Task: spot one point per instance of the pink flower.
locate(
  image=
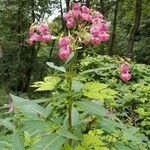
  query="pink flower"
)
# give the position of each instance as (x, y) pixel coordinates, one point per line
(43, 29)
(85, 17)
(124, 68)
(46, 38)
(68, 15)
(95, 30)
(85, 10)
(10, 107)
(31, 32)
(95, 41)
(104, 36)
(96, 21)
(64, 53)
(104, 27)
(125, 77)
(75, 14)
(70, 23)
(76, 7)
(34, 38)
(99, 15)
(64, 42)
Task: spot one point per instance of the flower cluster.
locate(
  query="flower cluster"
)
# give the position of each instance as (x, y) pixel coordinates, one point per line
(65, 49)
(39, 33)
(125, 72)
(97, 27)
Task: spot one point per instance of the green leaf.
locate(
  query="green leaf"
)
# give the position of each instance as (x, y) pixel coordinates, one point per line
(108, 125)
(48, 84)
(49, 142)
(51, 64)
(70, 57)
(5, 145)
(29, 108)
(93, 108)
(7, 124)
(35, 126)
(17, 142)
(130, 132)
(121, 146)
(65, 133)
(96, 90)
(75, 117)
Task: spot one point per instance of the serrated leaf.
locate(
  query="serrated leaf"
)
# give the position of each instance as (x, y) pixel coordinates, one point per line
(96, 90)
(49, 142)
(29, 108)
(35, 126)
(65, 133)
(93, 108)
(51, 64)
(48, 84)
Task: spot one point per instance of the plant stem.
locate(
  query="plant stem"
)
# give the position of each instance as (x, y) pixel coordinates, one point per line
(70, 104)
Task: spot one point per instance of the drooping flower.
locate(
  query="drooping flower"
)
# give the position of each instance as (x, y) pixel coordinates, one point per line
(64, 42)
(40, 33)
(95, 41)
(96, 21)
(68, 15)
(125, 72)
(124, 68)
(70, 23)
(103, 27)
(33, 38)
(85, 10)
(85, 17)
(76, 7)
(64, 53)
(43, 28)
(125, 77)
(94, 30)
(104, 36)
(99, 15)
(46, 38)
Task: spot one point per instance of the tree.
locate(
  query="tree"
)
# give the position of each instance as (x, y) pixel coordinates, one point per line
(113, 35)
(135, 28)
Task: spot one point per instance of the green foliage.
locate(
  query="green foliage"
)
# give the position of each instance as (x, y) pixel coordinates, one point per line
(98, 91)
(49, 83)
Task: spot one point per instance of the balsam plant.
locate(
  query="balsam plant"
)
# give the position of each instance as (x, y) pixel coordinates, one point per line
(74, 117)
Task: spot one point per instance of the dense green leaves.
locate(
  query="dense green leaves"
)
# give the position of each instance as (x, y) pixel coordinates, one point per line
(49, 142)
(100, 91)
(93, 108)
(48, 84)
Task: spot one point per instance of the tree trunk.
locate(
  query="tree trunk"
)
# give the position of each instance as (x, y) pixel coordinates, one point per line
(102, 7)
(87, 3)
(113, 36)
(1, 51)
(135, 28)
(61, 11)
(67, 5)
(32, 55)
